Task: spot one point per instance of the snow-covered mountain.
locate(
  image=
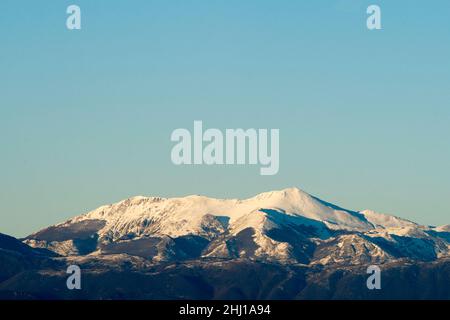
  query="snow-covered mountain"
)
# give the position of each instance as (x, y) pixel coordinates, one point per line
(287, 226)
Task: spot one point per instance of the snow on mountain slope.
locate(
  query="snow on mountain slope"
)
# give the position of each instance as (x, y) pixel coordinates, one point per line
(380, 220)
(350, 250)
(418, 242)
(285, 226)
(182, 216)
(445, 228)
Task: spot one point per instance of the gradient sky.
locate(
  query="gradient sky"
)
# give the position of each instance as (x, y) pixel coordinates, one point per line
(86, 116)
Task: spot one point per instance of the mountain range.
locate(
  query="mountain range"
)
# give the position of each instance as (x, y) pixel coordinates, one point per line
(283, 244)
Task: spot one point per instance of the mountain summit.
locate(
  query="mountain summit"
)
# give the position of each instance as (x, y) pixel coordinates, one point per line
(286, 226)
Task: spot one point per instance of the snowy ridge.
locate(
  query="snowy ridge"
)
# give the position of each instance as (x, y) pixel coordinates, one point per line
(445, 228)
(380, 220)
(288, 226)
(181, 216)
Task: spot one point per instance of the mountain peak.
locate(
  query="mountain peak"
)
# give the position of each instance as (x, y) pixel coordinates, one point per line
(284, 193)
(286, 225)
(444, 228)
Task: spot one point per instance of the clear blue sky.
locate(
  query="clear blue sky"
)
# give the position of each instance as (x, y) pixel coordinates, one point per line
(86, 116)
